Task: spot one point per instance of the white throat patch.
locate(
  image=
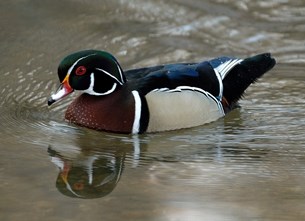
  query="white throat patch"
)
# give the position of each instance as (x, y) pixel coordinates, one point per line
(91, 91)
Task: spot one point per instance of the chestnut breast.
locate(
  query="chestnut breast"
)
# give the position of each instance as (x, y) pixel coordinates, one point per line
(109, 113)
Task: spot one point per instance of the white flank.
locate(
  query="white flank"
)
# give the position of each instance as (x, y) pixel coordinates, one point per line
(224, 68)
(91, 91)
(182, 107)
(137, 114)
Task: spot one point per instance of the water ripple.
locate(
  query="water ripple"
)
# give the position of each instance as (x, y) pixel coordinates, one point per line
(23, 105)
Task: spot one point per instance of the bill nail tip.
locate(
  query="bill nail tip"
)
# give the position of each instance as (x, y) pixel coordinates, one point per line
(50, 101)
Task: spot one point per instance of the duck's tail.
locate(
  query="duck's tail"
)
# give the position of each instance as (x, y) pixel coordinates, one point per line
(238, 74)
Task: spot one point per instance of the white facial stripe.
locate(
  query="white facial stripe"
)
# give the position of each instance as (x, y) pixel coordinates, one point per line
(91, 91)
(224, 68)
(75, 63)
(121, 74)
(221, 67)
(231, 65)
(110, 75)
(137, 114)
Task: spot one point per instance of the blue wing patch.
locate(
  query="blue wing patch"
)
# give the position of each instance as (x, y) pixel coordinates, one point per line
(200, 75)
(219, 61)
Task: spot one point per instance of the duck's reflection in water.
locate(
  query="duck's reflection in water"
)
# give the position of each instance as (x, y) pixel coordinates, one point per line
(90, 172)
(93, 176)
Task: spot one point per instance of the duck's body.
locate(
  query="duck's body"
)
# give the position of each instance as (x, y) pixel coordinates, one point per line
(153, 99)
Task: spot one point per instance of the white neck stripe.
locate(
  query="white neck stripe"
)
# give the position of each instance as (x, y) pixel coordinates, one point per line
(91, 91)
(137, 114)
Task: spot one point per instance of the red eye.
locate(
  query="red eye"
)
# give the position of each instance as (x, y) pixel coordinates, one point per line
(78, 186)
(81, 70)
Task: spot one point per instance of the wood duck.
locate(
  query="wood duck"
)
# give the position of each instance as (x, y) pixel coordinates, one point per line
(153, 99)
(88, 175)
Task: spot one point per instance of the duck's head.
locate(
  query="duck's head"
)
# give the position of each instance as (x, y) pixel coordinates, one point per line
(91, 71)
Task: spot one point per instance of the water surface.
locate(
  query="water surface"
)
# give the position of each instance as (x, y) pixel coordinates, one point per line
(247, 166)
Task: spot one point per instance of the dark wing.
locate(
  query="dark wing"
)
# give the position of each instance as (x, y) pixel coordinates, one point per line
(198, 75)
(134, 74)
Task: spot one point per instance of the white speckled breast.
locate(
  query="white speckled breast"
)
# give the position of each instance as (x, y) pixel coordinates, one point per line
(108, 113)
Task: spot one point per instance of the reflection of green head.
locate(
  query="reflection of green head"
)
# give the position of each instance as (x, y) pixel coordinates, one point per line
(95, 181)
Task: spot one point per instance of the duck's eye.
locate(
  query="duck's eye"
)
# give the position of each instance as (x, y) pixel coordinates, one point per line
(81, 70)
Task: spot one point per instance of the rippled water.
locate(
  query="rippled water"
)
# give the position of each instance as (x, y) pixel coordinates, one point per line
(246, 166)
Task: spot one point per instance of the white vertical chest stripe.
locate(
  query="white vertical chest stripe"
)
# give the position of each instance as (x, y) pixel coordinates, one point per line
(137, 114)
(182, 107)
(220, 83)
